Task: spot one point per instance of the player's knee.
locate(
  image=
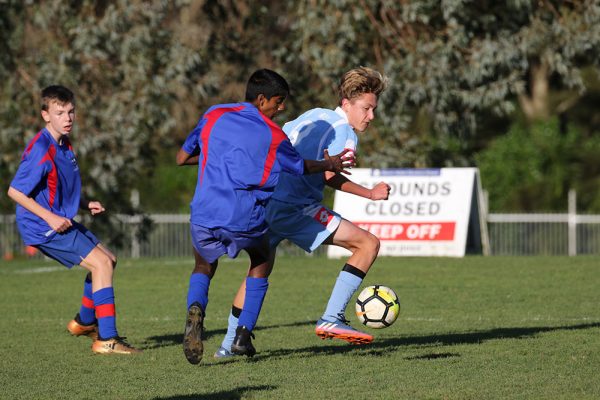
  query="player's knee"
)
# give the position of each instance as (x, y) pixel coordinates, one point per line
(105, 265)
(372, 243)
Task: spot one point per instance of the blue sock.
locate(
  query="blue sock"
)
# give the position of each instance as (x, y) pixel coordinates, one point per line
(104, 300)
(198, 290)
(87, 312)
(230, 335)
(256, 289)
(345, 286)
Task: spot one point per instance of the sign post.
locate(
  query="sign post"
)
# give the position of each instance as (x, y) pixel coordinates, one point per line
(430, 212)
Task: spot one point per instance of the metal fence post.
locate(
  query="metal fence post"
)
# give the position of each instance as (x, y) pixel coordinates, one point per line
(572, 222)
(135, 242)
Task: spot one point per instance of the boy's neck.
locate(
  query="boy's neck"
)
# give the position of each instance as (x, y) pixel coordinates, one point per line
(58, 137)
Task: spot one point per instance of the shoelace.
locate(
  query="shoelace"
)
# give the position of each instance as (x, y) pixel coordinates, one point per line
(121, 339)
(342, 318)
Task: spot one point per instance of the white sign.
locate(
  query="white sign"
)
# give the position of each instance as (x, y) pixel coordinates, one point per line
(427, 214)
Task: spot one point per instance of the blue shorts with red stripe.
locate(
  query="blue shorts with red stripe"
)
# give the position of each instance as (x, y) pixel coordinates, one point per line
(212, 243)
(70, 247)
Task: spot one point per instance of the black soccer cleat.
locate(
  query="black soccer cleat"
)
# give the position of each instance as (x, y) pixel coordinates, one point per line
(242, 343)
(192, 337)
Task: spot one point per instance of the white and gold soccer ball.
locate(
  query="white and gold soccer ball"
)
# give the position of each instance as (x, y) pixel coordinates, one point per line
(377, 306)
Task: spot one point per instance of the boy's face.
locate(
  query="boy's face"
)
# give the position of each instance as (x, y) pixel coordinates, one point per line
(272, 106)
(360, 111)
(59, 118)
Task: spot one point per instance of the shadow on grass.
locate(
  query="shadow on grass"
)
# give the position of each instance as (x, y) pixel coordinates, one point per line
(234, 394)
(176, 339)
(432, 356)
(383, 346)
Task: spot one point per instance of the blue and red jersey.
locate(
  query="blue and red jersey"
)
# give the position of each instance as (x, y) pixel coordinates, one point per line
(242, 152)
(49, 174)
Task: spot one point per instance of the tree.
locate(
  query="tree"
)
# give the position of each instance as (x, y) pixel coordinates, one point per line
(452, 65)
(534, 165)
(126, 69)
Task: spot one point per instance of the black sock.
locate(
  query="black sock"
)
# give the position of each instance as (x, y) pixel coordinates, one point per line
(354, 271)
(236, 311)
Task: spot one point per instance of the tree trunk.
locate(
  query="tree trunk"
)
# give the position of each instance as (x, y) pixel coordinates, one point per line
(534, 102)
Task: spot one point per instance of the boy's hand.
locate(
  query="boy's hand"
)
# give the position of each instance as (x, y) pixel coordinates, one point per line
(58, 224)
(381, 191)
(341, 161)
(95, 207)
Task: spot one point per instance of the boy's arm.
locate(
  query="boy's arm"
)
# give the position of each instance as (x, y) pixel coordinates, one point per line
(94, 207)
(381, 191)
(337, 164)
(184, 158)
(56, 222)
(189, 153)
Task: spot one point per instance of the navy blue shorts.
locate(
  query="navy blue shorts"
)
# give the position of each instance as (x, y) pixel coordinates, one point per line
(71, 246)
(212, 243)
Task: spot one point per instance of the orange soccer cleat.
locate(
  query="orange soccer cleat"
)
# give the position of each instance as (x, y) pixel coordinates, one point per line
(116, 345)
(340, 329)
(76, 328)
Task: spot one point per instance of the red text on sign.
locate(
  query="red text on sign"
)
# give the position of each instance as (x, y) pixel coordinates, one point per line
(410, 231)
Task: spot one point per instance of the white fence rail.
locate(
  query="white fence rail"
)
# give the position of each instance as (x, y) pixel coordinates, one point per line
(544, 234)
(509, 234)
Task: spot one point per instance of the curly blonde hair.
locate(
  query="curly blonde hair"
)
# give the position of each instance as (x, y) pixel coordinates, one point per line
(361, 80)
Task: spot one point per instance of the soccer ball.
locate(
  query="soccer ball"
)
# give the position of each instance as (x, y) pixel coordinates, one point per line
(377, 306)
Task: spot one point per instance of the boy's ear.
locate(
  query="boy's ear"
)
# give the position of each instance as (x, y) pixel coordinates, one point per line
(261, 99)
(45, 116)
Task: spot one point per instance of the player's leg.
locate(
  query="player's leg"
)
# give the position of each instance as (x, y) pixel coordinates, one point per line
(197, 301)
(364, 247)
(85, 323)
(238, 303)
(232, 323)
(101, 267)
(256, 289)
(200, 281)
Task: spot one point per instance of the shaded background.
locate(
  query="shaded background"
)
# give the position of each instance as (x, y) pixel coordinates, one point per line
(510, 88)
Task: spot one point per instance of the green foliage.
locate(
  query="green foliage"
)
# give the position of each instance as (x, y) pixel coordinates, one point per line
(450, 64)
(118, 58)
(177, 185)
(533, 168)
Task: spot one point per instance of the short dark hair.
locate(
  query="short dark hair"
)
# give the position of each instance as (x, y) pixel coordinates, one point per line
(57, 93)
(268, 83)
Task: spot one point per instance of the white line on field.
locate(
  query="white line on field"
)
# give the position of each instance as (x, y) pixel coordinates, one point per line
(39, 270)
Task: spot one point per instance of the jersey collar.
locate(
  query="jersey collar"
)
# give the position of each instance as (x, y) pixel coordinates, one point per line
(341, 113)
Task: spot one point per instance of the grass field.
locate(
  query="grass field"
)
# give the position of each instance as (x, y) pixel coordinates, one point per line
(472, 328)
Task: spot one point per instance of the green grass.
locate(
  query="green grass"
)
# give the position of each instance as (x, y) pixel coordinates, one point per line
(472, 328)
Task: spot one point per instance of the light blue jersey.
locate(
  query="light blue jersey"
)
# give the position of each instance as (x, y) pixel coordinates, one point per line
(311, 133)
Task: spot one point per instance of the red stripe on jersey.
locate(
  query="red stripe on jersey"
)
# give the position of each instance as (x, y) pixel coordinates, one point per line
(105, 310)
(277, 136)
(30, 145)
(211, 119)
(87, 302)
(52, 175)
(67, 142)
